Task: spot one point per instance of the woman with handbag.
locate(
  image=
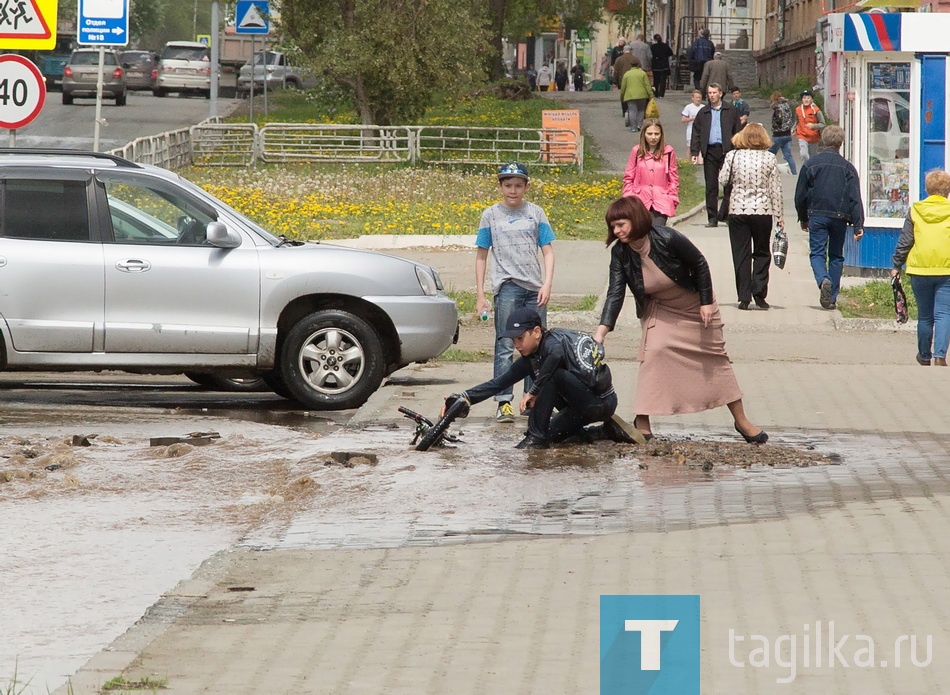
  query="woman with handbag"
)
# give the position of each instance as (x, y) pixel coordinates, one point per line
(635, 92)
(684, 367)
(652, 174)
(924, 244)
(754, 204)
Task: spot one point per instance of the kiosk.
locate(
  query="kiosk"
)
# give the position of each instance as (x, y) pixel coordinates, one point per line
(885, 82)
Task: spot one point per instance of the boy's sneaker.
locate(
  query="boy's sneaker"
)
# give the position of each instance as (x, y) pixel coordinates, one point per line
(619, 430)
(505, 412)
(530, 442)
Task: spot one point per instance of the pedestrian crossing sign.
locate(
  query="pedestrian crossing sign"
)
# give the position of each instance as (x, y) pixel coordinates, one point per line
(251, 17)
(28, 24)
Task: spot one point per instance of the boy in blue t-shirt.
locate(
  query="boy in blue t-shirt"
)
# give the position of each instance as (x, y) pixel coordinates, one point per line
(514, 230)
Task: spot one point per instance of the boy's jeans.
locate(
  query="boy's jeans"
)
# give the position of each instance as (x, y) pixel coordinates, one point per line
(576, 406)
(784, 143)
(511, 296)
(933, 314)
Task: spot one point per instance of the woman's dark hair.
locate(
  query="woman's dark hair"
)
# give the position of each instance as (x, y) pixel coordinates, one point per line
(628, 208)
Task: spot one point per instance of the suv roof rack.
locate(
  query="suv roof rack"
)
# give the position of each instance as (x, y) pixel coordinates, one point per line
(121, 161)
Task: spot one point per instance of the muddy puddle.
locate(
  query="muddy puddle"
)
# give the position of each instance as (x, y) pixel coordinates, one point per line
(94, 535)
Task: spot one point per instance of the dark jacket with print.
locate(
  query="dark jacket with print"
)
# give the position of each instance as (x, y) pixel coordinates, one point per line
(673, 253)
(828, 186)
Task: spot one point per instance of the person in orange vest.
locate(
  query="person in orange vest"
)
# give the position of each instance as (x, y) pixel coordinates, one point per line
(810, 123)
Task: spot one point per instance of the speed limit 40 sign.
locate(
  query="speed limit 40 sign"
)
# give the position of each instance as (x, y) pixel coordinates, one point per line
(22, 91)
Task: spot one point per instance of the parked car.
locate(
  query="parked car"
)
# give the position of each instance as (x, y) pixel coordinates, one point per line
(138, 66)
(272, 66)
(81, 76)
(184, 67)
(107, 264)
(889, 127)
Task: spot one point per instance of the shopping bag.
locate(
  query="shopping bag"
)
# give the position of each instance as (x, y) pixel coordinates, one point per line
(779, 248)
(653, 111)
(900, 300)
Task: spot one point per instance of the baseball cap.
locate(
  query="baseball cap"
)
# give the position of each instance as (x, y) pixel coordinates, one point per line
(717, 54)
(806, 93)
(513, 170)
(520, 320)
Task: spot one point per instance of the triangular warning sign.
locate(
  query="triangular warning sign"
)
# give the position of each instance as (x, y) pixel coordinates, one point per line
(22, 20)
(252, 19)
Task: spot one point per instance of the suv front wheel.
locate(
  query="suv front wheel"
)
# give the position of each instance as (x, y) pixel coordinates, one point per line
(332, 360)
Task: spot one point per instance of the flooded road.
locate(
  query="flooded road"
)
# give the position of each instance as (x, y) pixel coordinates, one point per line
(94, 535)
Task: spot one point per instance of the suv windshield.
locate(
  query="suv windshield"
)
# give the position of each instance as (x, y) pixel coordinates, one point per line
(185, 53)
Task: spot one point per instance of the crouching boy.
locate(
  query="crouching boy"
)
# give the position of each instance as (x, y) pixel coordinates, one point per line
(569, 375)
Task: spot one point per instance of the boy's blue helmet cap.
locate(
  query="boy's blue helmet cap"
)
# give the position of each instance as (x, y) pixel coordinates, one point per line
(513, 170)
(520, 320)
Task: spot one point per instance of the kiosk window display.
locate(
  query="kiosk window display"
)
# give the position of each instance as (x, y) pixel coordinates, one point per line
(888, 130)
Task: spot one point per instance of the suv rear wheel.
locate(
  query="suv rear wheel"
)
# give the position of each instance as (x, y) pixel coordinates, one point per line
(67, 98)
(120, 99)
(332, 360)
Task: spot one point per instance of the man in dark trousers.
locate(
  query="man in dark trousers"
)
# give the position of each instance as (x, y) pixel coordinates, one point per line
(661, 64)
(700, 53)
(713, 129)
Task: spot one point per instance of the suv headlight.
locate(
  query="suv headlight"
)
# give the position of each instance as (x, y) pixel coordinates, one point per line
(428, 284)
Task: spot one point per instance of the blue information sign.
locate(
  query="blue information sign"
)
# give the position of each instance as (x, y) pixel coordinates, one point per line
(252, 17)
(104, 22)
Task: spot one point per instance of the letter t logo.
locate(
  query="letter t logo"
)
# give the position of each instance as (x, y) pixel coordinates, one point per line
(649, 639)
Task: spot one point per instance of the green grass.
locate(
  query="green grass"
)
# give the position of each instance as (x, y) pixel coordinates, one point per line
(873, 300)
(121, 684)
(464, 298)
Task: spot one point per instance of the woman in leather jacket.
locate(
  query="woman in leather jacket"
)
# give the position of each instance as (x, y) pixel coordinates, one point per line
(684, 367)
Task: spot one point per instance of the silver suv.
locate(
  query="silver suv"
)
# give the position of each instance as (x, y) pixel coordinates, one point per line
(184, 67)
(107, 264)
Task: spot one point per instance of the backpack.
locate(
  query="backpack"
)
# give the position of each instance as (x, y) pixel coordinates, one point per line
(585, 358)
(781, 118)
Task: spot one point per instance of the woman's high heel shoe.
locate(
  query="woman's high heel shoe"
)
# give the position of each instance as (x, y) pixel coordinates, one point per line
(761, 438)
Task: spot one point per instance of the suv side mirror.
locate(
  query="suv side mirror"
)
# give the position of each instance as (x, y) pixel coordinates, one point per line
(220, 236)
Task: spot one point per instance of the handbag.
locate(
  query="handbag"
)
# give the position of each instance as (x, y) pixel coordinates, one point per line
(726, 194)
(652, 110)
(900, 300)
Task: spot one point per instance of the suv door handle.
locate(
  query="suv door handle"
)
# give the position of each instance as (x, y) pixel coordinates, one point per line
(133, 265)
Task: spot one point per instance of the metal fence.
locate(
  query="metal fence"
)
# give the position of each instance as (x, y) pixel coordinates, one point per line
(301, 142)
(170, 150)
(212, 143)
(220, 144)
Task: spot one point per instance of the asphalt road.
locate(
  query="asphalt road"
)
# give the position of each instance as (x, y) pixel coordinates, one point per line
(73, 126)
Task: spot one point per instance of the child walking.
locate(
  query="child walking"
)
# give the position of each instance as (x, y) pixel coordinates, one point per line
(513, 229)
(689, 114)
(652, 175)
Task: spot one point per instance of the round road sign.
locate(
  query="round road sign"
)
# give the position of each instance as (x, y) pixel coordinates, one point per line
(22, 91)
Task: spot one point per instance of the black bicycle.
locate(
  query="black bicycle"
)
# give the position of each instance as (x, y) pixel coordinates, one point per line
(428, 434)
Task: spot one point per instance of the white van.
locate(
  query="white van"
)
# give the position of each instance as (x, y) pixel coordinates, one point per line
(184, 67)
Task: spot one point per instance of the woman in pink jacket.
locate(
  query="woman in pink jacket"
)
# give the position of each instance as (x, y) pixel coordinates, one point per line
(652, 175)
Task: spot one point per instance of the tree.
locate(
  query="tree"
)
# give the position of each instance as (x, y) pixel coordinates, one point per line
(391, 56)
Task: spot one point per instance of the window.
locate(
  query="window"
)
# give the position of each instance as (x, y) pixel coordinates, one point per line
(144, 214)
(48, 210)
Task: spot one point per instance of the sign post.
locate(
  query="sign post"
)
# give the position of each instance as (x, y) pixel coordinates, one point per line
(253, 17)
(22, 93)
(102, 23)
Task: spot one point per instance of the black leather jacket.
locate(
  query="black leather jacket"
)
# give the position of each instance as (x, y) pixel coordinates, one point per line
(673, 253)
